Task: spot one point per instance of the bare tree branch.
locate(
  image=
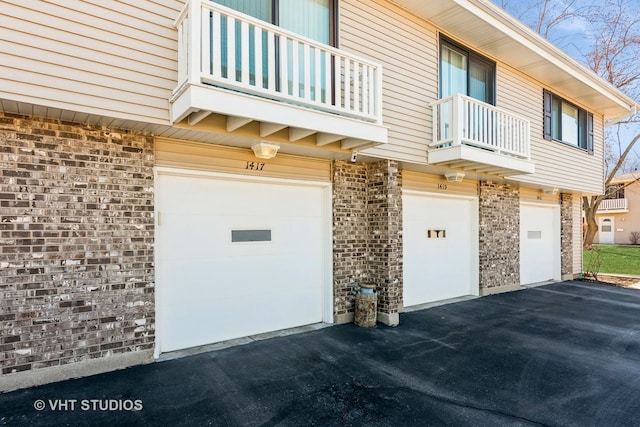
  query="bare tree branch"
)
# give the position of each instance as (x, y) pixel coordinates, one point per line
(613, 35)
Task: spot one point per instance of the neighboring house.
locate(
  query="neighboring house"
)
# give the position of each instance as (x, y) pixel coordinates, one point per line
(181, 173)
(619, 214)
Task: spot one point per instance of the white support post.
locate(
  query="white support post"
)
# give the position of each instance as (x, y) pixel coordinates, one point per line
(205, 23)
(271, 61)
(356, 86)
(378, 94)
(295, 69)
(306, 52)
(231, 48)
(194, 18)
(217, 45)
(317, 73)
(456, 119)
(283, 66)
(245, 69)
(365, 89)
(347, 83)
(337, 79)
(257, 54)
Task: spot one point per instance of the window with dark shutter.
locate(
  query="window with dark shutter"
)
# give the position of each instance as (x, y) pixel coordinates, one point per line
(567, 123)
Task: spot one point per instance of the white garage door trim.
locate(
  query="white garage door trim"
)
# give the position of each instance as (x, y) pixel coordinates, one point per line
(473, 244)
(557, 269)
(326, 262)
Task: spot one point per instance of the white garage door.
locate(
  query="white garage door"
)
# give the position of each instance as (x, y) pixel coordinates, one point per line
(539, 243)
(237, 257)
(439, 248)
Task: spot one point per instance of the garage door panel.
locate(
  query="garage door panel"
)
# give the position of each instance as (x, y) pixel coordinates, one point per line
(438, 248)
(539, 243)
(244, 314)
(215, 289)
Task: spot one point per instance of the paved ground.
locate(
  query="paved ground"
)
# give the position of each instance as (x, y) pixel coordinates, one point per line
(566, 354)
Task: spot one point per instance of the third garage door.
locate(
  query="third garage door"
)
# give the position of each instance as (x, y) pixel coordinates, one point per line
(539, 243)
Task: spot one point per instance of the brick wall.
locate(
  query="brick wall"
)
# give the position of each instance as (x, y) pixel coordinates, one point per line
(499, 240)
(76, 224)
(566, 235)
(367, 236)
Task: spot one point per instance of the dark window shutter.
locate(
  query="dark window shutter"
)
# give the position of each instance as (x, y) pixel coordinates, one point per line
(547, 114)
(589, 133)
(583, 134)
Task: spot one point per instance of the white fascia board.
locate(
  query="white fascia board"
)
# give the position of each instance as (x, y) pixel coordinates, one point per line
(501, 20)
(536, 45)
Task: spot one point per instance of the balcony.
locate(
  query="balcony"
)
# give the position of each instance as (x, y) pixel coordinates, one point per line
(248, 70)
(613, 206)
(471, 135)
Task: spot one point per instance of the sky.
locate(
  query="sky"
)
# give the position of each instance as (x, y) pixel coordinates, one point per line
(571, 36)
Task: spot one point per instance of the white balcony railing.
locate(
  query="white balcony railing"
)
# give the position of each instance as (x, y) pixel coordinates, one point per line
(613, 205)
(460, 119)
(225, 48)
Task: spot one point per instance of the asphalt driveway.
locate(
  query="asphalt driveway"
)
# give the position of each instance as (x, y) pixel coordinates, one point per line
(566, 354)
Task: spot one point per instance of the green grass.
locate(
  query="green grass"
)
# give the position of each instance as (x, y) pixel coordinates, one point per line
(614, 259)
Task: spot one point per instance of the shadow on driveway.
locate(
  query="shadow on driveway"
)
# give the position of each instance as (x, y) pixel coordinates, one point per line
(563, 354)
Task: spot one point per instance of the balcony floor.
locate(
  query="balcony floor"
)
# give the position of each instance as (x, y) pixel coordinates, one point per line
(481, 161)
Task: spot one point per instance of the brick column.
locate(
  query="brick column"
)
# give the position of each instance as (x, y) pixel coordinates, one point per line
(385, 237)
(367, 236)
(349, 236)
(499, 240)
(566, 235)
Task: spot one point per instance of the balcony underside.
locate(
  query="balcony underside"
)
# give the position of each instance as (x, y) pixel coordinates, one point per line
(195, 102)
(481, 161)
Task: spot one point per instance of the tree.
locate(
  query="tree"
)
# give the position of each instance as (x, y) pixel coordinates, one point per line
(549, 18)
(611, 51)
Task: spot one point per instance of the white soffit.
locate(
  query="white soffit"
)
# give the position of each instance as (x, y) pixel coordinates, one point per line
(486, 27)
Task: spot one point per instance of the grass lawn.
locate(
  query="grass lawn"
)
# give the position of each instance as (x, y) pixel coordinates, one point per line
(614, 259)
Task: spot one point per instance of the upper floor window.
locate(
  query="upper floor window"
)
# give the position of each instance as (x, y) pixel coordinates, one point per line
(565, 122)
(615, 191)
(310, 18)
(464, 71)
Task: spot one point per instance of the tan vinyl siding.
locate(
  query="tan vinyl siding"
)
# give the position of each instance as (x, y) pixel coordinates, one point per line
(216, 158)
(437, 184)
(115, 58)
(557, 165)
(531, 195)
(407, 50)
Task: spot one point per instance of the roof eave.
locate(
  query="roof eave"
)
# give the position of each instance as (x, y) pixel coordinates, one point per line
(493, 31)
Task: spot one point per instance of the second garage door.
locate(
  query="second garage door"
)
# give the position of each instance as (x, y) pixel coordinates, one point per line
(237, 257)
(440, 247)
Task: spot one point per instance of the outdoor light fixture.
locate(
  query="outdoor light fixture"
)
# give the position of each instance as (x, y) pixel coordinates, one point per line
(264, 150)
(454, 176)
(550, 191)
